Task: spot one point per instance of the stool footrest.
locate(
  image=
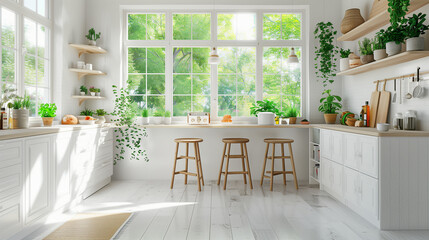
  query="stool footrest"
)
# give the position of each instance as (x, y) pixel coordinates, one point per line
(185, 173)
(236, 172)
(185, 157)
(280, 172)
(235, 156)
(279, 157)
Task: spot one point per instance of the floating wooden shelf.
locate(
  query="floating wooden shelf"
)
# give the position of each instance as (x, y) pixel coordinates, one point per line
(377, 22)
(387, 62)
(84, 98)
(88, 49)
(83, 72)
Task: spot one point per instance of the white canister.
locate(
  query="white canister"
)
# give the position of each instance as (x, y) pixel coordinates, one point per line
(80, 64)
(344, 64)
(88, 66)
(266, 118)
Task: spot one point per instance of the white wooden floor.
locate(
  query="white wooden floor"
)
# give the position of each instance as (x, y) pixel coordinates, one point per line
(237, 213)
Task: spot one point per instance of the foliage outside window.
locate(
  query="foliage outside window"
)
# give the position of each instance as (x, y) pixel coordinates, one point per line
(146, 26)
(282, 26)
(236, 26)
(191, 26)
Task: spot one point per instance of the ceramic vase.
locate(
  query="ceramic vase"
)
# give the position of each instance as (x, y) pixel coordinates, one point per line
(392, 48)
(351, 20)
(344, 64)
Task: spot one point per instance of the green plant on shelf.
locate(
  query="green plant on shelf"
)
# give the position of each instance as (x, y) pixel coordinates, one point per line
(291, 111)
(394, 34)
(379, 41)
(100, 112)
(264, 106)
(87, 112)
(47, 110)
(159, 113)
(83, 89)
(330, 104)
(145, 113)
(365, 47)
(397, 10)
(344, 53)
(21, 102)
(415, 26)
(92, 36)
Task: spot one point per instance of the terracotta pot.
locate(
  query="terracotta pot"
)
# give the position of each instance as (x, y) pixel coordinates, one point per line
(380, 54)
(47, 121)
(351, 20)
(330, 118)
(365, 59)
(292, 120)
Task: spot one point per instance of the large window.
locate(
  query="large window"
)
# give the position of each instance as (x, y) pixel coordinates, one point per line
(25, 50)
(167, 60)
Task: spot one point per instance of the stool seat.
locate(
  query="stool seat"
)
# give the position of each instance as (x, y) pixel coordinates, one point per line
(235, 140)
(188, 140)
(278, 140)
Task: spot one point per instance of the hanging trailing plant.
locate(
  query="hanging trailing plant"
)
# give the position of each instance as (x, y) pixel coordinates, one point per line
(128, 134)
(326, 52)
(397, 10)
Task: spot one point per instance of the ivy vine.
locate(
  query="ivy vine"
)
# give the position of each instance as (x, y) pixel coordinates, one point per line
(397, 10)
(326, 52)
(128, 134)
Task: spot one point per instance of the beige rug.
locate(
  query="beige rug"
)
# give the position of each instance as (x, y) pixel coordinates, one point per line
(90, 226)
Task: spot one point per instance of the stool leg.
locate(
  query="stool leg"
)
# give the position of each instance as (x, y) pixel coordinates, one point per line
(272, 167)
(227, 165)
(265, 164)
(221, 164)
(186, 166)
(248, 166)
(242, 163)
(196, 164)
(283, 164)
(199, 161)
(293, 165)
(174, 167)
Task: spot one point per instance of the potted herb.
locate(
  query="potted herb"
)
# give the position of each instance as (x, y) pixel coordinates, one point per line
(394, 37)
(397, 10)
(325, 52)
(330, 105)
(167, 117)
(158, 117)
(101, 113)
(145, 117)
(265, 111)
(365, 48)
(97, 92)
(83, 90)
(47, 112)
(92, 90)
(20, 112)
(344, 60)
(379, 46)
(415, 27)
(85, 113)
(292, 113)
(93, 37)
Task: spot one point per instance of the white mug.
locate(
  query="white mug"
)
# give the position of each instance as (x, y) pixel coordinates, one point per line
(88, 66)
(80, 64)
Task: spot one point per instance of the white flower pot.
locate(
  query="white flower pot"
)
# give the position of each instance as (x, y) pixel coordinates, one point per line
(21, 116)
(415, 44)
(82, 93)
(101, 120)
(380, 54)
(92, 42)
(392, 48)
(344, 64)
(98, 94)
(167, 120)
(156, 120)
(145, 120)
(93, 94)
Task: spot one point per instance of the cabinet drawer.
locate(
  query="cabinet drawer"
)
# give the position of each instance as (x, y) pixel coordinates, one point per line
(104, 149)
(11, 153)
(106, 134)
(361, 153)
(10, 181)
(10, 216)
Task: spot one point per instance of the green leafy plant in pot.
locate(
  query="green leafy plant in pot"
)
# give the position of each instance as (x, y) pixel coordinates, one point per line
(158, 117)
(344, 60)
(379, 46)
(145, 117)
(414, 28)
(266, 112)
(20, 112)
(394, 37)
(167, 117)
(83, 90)
(325, 52)
(366, 51)
(100, 115)
(330, 105)
(47, 112)
(292, 113)
(93, 37)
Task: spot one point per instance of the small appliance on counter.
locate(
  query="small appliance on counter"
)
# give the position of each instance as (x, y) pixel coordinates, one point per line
(198, 118)
(266, 118)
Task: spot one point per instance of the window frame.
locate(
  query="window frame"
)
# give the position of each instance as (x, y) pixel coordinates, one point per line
(169, 43)
(22, 13)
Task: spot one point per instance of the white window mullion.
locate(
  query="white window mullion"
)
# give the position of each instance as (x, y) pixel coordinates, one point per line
(169, 62)
(214, 76)
(259, 57)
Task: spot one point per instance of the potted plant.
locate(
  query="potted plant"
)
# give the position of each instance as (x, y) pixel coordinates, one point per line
(344, 60)
(20, 112)
(415, 27)
(85, 113)
(365, 48)
(325, 52)
(47, 112)
(97, 92)
(265, 111)
(92, 90)
(379, 46)
(145, 117)
(292, 113)
(157, 118)
(83, 90)
(394, 38)
(167, 117)
(93, 37)
(101, 113)
(330, 105)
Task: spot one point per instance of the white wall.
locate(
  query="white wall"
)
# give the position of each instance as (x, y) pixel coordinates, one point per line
(357, 89)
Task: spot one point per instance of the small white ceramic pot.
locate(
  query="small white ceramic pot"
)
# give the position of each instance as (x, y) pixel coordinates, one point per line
(92, 42)
(344, 64)
(82, 93)
(167, 120)
(145, 120)
(380, 54)
(392, 48)
(415, 44)
(383, 127)
(156, 120)
(93, 94)
(98, 93)
(101, 120)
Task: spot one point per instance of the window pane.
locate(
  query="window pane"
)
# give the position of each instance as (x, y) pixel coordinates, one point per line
(181, 105)
(155, 27)
(272, 84)
(226, 84)
(155, 84)
(42, 72)
(182, 26)
(137, 84)
(227, 105)
(156, 60)
(291, 26)
(41, 7)
(246, 84)
(201, 84)
(8, 65)
(137, 60)
(156, 103)
(30, 36)
(272, 60)
(239, 26)
(228, 60)
(243, 105)
(201, 104)
(140, 101)
(182, 60)
(272, 25)
(42, 41)
(182, 84)
(200, 60)
(32, 93)
(30, 70)
(42, 95)
(8, 32)
(246, 60)
(31, 4)
(201, 29)
(137, 26)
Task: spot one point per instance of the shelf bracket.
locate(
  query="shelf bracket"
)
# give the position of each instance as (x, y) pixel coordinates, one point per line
(81, 101)
(81, 75)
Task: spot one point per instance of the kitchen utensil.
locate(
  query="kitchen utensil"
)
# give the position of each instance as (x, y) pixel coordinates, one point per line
(409, 95)
(394, 89)
(418, 90)
(373, 107)
(383, 127)
(383, 105)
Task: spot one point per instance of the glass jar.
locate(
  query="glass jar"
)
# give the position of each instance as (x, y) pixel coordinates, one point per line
(410, 120)
(398, 122)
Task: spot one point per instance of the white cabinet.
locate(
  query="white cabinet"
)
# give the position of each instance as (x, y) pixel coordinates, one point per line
(38, 177)
(337, 147)
(64, 153)
(361, 153)
(326, 144)
(332, 178)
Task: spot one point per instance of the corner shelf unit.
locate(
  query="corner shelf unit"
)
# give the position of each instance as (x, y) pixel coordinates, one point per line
(83, 72)
(377, 22)
(387, 62)
(314, 137)
(84, 98)
(82, 48)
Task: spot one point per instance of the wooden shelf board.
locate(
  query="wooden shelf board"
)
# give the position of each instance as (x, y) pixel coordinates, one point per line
(88, 49)
(377, 22)
(387, 62)
(84, 98)
(83, 72)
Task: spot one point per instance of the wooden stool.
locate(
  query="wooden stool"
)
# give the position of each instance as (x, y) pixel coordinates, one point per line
(242, 142)
(273, 173)
(197, 159)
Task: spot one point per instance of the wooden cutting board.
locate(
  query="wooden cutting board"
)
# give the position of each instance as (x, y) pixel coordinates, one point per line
(383, 105)
(373, 106)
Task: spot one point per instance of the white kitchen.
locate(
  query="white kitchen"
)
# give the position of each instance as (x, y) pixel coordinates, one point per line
(127, 119)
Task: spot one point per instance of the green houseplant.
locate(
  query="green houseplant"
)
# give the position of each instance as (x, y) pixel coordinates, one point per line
(379, 46)
(83, 90)
(158, 117)
(145, 116)
(330, 105)
(20, 112)
(47, 112)
(100, 115)
(87, 112)
(93, 37)
(414, 27)
(92, 90)
(325, 52)
(266, 112)
(394, 37)
(167, 117)
(292, 113)
(344, 60)
(366, 51)
(397, 10)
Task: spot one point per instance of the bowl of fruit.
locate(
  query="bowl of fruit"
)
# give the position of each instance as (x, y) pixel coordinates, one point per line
(88, 121)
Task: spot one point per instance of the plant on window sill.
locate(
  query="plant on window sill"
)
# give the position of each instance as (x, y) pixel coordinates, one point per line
(325, 53)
